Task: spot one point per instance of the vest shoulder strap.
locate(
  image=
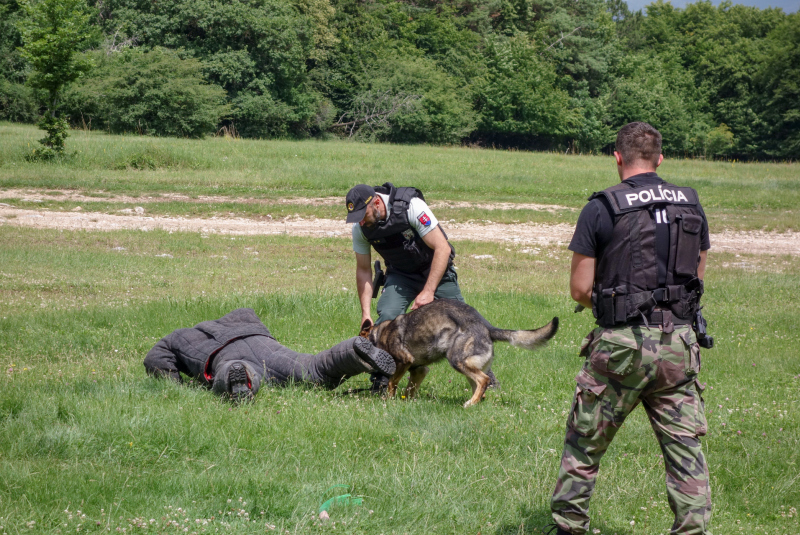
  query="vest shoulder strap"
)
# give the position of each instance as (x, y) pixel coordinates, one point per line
(399, 198)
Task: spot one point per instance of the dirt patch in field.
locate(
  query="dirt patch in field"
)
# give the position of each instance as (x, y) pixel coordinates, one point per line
(66, 195)
(754, 242)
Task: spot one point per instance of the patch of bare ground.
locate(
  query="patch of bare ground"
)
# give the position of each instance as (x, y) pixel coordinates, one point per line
(752, 242)
(66, 195)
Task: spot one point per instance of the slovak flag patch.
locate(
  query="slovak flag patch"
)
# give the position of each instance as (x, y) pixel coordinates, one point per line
(425, 220)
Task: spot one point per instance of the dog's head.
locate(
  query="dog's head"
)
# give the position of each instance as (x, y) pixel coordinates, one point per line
(373, 332)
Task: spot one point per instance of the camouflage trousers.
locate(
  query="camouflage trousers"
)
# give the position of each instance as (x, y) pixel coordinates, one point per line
(626, 366)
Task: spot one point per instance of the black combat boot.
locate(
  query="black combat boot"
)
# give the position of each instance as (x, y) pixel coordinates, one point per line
(380, 383)
(381, 361)
(239, 383)
(236, 380)
(555, 529)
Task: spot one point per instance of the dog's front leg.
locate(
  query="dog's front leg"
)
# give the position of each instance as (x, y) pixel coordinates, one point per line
(394, 380)
(403, 361)
(415, 378)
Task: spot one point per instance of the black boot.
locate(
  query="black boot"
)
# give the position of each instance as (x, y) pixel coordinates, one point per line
(236, 380)
(239, 383)
(555, 529)
(346, 359)
(381, 361)
(379, 383)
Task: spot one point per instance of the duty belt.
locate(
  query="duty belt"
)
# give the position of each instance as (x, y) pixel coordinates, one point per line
(656, 317)
(632, 309)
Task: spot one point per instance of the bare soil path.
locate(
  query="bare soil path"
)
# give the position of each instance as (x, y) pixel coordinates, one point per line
(750, 242)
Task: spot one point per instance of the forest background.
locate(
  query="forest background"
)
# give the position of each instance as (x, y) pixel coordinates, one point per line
(719, 82)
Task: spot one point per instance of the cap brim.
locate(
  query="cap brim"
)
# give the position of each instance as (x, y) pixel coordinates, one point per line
(356, 215)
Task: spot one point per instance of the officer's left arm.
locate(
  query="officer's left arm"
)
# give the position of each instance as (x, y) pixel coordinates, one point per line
(441, 257)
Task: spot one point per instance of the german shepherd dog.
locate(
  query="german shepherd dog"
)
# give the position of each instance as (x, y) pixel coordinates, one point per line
(452, 329)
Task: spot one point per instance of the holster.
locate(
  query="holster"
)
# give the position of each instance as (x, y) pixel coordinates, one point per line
(379, 279)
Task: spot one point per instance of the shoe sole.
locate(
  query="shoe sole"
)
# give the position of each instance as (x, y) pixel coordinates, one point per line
(380, 360)
(237, 380)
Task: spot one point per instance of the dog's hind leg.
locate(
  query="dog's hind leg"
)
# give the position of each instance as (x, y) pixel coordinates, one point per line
(479, 382)
(472, 367)
(416, 376)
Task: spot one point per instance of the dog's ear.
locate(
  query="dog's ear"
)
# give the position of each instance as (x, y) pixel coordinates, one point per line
(366, 328)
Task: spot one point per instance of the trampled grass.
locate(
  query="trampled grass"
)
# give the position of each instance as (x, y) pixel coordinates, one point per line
(88, 443)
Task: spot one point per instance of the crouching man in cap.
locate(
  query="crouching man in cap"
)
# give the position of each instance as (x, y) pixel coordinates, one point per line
(400, 226)
(234, 354)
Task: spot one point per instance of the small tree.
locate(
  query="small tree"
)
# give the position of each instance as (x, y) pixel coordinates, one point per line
(53, 33)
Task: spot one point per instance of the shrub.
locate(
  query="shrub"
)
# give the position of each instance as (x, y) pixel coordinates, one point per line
(519, 95)
(440, 114)
(263, 116)
(150, 93)
(17, 102)
(719, 141)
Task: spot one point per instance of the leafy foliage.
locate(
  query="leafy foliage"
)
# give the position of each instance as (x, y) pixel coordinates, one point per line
(519, 96)
(779, 80)
(718, 81)
(151, 93)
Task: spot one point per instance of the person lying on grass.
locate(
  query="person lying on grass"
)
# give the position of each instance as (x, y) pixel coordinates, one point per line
(234, 354)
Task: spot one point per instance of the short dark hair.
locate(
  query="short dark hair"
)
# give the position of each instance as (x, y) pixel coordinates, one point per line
(639, 141)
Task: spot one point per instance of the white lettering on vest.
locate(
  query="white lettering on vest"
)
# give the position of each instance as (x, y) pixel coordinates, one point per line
(642, 195)
(631, 197)
(669, 195)
(681, 197)
(654, 195)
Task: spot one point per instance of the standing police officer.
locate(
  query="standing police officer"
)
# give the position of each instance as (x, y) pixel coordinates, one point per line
(639, 256)
(400, 226)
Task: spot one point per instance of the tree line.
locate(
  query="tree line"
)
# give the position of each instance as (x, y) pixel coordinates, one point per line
(534, 74)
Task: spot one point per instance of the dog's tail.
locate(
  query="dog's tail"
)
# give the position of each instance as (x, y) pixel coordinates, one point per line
(532, 339)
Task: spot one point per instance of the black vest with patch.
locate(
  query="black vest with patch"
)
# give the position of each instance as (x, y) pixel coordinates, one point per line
(401, 247)
(648, 272)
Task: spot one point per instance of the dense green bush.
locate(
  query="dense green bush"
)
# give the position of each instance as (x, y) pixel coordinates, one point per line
(780, 97)
(519, 96)
(18, 102)
(150, 93)
(440, 114)
(661, 95)
(256, 50)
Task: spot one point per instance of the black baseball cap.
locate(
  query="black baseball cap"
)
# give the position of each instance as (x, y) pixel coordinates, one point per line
(357, 200)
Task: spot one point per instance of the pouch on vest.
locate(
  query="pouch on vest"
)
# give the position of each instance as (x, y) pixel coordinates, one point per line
(610, 303)
(686, 259)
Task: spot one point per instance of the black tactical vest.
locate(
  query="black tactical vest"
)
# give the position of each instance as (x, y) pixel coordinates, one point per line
(652, 259)
(401, 247)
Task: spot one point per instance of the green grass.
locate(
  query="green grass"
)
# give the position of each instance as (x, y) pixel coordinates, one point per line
(735, 195)
(82, 428)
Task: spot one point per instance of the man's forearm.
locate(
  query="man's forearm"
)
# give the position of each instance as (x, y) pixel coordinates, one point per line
(441, 258)
(364, 288)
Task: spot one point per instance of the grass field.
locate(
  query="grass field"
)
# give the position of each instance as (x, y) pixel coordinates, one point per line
(737, 196)
(88, 443)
